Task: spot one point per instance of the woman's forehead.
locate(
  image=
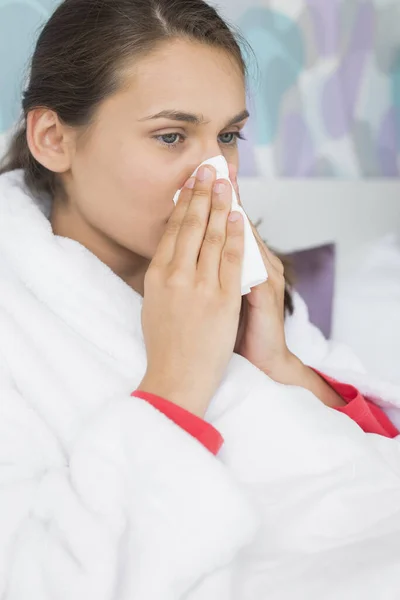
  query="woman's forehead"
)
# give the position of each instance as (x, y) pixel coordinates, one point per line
(187, 77)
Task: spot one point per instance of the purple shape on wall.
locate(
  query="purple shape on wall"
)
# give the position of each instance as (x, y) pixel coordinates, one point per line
(326, 17)
(298, 153)
(341, 90)
(387, 145)
(314, 279)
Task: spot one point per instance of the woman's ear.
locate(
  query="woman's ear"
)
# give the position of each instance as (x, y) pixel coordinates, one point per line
(50, 142)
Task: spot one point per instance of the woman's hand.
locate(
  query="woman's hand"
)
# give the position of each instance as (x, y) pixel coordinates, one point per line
(261, 334)
(192, 297)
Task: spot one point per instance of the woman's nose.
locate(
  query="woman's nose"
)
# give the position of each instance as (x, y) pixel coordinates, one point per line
(198, 160)
(212, 150)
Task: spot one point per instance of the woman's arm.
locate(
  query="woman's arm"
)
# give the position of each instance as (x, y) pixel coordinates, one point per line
(295, 372)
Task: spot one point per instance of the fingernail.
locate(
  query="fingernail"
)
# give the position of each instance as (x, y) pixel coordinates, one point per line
(234, 216)
(204, 173)
(190, 183)
(219, 187)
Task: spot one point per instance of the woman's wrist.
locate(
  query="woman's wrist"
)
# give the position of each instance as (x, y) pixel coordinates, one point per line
(292, 371)
(288, 370)
(174, 393)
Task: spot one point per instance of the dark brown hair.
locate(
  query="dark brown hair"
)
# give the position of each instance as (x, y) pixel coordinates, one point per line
(80, 57)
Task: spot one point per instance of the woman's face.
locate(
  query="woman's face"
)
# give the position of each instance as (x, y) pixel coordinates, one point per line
(142, 147)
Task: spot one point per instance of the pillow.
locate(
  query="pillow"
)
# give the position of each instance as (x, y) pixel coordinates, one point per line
(367, 309)
(314, 278)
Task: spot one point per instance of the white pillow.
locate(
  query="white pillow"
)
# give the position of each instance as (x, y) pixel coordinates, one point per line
(367, 309)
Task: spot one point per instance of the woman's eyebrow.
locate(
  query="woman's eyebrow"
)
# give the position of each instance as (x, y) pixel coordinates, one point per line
(177, 115)
(240, 117)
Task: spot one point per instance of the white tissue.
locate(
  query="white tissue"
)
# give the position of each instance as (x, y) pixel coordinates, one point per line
(253, 270)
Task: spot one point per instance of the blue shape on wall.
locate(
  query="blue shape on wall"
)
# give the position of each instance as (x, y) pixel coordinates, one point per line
(278, 44)
(20, 23)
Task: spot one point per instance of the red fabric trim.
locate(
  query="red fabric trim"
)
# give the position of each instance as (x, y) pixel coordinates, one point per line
(365, 413)
(204, 432)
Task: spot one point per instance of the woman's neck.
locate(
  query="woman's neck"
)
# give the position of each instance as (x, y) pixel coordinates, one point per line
(130, 267)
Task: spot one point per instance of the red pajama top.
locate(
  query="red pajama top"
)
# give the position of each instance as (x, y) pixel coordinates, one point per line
(364, 412)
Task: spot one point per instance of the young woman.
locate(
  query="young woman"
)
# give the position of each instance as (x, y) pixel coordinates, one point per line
(124, 341)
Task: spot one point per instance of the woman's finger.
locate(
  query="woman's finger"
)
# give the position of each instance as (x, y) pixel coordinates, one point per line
(166, 248)
(272, 263)
(272, 259)
(209, 262)
(232, 255)
(194, 224)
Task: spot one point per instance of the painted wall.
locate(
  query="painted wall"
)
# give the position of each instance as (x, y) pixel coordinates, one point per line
(327, 100)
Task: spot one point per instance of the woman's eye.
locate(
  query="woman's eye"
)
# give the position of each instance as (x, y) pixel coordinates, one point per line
(170, 139)
(230, 139)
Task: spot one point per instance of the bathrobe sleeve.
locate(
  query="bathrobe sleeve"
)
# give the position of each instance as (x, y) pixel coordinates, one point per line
(132, 491)
(366, 414)
(199, 428)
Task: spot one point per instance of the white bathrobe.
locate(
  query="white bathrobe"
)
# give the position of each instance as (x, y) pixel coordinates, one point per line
(102, 497)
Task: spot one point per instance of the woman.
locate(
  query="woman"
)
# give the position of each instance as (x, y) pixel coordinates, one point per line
(112, 301)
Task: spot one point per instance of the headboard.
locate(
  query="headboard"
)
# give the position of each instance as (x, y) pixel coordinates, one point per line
(303, 213)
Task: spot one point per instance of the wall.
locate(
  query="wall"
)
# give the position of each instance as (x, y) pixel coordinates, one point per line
(20, 22)
(328, 96)
(326, 99)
